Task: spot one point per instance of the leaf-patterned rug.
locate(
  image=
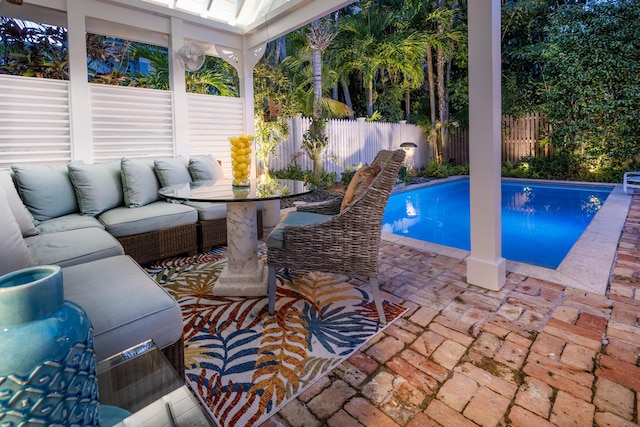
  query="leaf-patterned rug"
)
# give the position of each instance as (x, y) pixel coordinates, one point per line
(246, 365)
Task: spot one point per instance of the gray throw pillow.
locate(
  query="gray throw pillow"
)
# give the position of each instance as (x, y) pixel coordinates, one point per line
(172, 171)
(98, 186)
(205, 168)
(46, 190)
(139, 182)
(20, 212)
(15, 254)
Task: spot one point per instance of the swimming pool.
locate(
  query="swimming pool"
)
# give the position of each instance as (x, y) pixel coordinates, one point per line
(540, 222)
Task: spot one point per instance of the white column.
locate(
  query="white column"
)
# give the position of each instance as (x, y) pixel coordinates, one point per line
(79, 95)
(485, 266)
(178, 87)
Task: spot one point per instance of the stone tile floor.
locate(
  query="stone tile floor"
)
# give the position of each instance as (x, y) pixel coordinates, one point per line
(534, 354)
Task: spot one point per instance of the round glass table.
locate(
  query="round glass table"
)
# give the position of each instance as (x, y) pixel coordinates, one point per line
(244, 274)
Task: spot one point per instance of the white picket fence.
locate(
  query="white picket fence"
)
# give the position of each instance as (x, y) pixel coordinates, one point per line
(350, 142)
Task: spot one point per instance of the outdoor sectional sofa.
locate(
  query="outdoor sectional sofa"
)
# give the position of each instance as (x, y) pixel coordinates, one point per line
(96, 221)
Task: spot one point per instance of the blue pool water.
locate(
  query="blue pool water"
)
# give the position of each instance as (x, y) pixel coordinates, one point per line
(540, 222)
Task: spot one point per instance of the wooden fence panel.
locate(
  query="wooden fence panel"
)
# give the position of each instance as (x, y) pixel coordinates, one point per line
(520, 137)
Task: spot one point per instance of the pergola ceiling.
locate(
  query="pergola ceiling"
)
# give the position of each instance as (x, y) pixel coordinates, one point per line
(258, 21)
(237, 13)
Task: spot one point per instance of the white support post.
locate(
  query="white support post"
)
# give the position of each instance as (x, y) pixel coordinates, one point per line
(179, 91)
(79, 93)
(485, 266)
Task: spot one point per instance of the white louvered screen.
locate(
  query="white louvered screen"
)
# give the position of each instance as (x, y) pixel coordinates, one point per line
(34, 124)
(131, 122)
(212, 120)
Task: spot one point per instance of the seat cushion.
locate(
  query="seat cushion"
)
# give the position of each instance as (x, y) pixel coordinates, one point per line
(46, 190)
(15, 254)
(98, 186)
(73, 246)
(125, 306)
(276, 237)
(208, 211)
(155, 216)
(139, 182)
(69, 222)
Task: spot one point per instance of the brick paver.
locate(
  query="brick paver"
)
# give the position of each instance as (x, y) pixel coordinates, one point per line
(534, 354)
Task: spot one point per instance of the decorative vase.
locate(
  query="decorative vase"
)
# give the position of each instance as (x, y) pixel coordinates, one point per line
(47, 359)
(241, 159)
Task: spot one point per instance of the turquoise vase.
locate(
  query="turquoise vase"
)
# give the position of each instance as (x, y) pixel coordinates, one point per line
(47, 360)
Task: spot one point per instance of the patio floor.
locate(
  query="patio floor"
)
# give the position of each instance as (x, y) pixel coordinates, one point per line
(535, 353)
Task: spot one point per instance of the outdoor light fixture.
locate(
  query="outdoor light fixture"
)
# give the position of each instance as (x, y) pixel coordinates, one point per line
(410, 150)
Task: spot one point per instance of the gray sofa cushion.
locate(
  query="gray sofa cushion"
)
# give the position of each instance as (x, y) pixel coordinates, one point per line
(139, 182)
(276, 237)
(14, 253)
(125, 306)
(98, 186)
(20, 212)
(69, 222)
(205, 168)
(46, 190)
(72, 247)
(172, 171)
(156, 216)
(208, 211)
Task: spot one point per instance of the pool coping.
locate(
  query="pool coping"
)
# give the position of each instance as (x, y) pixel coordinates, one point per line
(588, 265)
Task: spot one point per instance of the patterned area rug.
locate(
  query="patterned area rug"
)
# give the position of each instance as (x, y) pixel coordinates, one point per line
(246, 365)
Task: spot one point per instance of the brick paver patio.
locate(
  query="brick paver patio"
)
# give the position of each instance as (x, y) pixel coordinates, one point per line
(534, 354)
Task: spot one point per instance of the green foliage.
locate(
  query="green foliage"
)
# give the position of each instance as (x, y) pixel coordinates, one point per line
(295, 172)
(33, 50)
(274, 103)
(292, 171)
(322, 181)
(561, 165)
(442, 170)
(592, 77)
(569, 167)
(525, 26)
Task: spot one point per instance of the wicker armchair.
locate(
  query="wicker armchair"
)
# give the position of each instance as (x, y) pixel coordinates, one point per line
(344, 242)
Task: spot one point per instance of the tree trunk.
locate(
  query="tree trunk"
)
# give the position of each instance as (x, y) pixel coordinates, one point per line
(316, 59)
(432, 86)
(318, 167)
(281, 49)
(442, 100)
(433, 135)
(370, 98)
(407, 104)
(347, 94)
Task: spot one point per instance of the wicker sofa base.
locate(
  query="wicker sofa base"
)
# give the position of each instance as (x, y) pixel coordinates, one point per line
(213, 232)
(175, 354)
(156, 245)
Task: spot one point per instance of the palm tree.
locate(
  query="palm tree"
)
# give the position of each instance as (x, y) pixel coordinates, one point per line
(321, 34)
(360, 52)
(375, 47)
(443, 38)
(215, 77)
